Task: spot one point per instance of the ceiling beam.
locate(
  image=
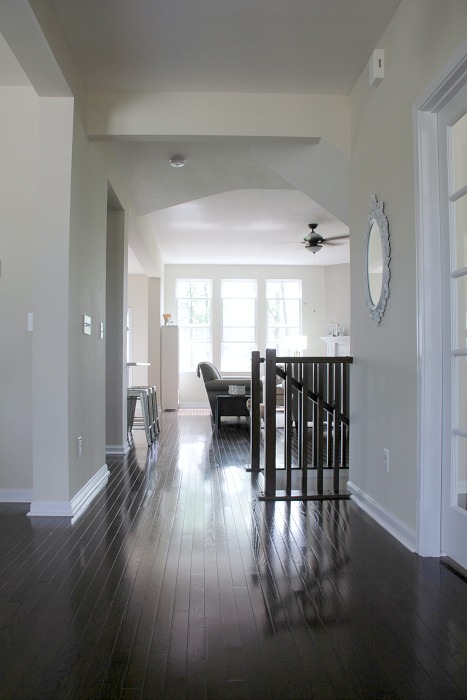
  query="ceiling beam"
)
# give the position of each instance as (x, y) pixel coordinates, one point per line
(112, 115)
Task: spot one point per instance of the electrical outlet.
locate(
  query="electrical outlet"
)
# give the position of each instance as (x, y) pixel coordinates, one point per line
(79, 447)
(386, 460)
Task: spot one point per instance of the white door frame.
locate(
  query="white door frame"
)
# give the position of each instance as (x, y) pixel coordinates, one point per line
(429, 300)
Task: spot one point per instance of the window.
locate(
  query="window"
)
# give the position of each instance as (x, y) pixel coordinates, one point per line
(283, 304)
(194, 322)
(238, 324)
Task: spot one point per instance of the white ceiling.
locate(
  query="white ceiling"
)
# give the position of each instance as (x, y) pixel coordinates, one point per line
(275, 46)
(223, 206)
(247, 226)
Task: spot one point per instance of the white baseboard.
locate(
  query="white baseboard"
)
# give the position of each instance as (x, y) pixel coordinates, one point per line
(83, 498)
(117, 449)
(195, 404)
(59, 509)
(383, 517)
(15, 495)
(79, 502)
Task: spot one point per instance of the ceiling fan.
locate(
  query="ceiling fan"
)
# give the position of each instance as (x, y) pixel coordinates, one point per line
(314, 240)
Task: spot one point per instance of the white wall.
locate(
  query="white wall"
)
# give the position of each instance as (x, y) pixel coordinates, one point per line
(337, 295)
(93, 169)
(87, 261)
(53, 200)
(116, 332)
(51, 277)
(144, 299)
(18, 126)
(154, 330)
(138, 302)
(418, 42)
(219, 114)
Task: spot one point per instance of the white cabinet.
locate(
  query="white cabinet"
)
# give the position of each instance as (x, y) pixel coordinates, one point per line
(337, 346)
(169, 368)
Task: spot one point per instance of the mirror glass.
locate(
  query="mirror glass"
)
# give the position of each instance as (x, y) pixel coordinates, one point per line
(375, 263)
(377, 257)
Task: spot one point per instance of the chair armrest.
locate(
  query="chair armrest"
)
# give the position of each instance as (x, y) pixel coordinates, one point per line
(222, 385)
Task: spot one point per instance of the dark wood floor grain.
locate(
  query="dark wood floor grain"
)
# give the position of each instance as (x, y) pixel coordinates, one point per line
(179, 583)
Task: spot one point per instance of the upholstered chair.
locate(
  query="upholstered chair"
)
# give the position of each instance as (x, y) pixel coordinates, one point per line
(216, 384)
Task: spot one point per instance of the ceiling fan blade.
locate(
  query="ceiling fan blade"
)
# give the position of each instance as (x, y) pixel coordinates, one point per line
(331, 241)
(337, 238)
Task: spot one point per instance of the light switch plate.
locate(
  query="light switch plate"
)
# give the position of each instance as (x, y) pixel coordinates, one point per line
(386, 459)
(376, 67)
(87, 325)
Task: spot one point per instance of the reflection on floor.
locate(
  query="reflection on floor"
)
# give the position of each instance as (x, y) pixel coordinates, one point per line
(178, 583)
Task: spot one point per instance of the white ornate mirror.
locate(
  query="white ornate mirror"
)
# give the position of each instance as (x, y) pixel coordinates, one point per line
(377, 257)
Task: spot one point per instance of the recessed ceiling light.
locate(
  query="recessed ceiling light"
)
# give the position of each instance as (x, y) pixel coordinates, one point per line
(177, 161)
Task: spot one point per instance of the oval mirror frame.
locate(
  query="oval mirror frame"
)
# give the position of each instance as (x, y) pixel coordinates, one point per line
(377, 220)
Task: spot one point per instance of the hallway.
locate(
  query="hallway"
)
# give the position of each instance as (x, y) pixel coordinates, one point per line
(178, 583)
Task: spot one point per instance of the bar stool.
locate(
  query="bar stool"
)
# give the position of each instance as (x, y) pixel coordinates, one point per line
(149, 410)
(133, 394)
(153, 408)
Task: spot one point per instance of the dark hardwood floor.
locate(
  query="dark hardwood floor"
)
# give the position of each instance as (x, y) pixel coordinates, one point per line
(178, 583)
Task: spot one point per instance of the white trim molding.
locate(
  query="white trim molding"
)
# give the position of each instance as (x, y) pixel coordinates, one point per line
(195, 404)
(429, 305)
(15, 495)
(117, 449)
(387, 520)
(53, 509)
(77, 505)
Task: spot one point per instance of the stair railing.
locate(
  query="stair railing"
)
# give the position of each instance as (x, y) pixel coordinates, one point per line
(316, 422)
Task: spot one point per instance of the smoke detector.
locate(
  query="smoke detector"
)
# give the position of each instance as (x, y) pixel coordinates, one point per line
(177, 161)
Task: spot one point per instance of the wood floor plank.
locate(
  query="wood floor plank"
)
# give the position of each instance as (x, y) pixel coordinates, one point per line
(179, 583)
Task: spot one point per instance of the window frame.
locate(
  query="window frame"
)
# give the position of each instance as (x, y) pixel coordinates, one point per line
(255, 327)
(281, 345)
(183, 326)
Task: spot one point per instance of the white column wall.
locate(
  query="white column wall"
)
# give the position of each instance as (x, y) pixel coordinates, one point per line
(18, 172)
(51, 303)
(116, 312)
(138, 301)
(154, 330)
(86, 356)
(144, 299)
